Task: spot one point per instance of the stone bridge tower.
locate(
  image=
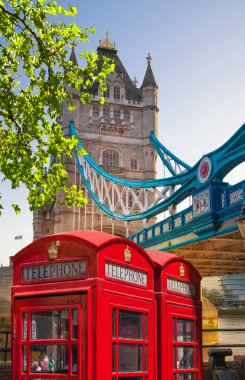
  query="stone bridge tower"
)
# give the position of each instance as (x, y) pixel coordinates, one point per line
(116, 135)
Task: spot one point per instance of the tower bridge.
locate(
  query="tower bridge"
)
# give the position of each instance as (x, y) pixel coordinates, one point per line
(118, 176)
(206, 232)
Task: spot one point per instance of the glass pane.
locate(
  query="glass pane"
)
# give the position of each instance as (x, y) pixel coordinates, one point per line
(146, 358)
(113, 357)
(146, 326)
(50, 324)
(74, 358)
(131, 378)
(185, 357)
(24, 359)
(174, 358)
(74, 324)
(185, 330)
(51, 358)
(130, 357)
(174, 329)
(24, 326)
(114, 315)
(185, 376)
(130, 325)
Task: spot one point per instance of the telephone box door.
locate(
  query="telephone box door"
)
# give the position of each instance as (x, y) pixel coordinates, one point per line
(184, 343)
(131, 342)
(48, 338)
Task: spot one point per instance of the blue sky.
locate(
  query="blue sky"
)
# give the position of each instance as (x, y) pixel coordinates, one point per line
(198, 59)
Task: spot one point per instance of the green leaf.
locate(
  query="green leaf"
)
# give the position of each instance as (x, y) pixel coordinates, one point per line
(16, 208)
(36, 77)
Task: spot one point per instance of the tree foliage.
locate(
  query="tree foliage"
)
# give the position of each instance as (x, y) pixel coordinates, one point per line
(35, 77)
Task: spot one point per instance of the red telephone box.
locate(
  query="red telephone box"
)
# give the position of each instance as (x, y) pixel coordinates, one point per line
(179, 318)
(83, 308)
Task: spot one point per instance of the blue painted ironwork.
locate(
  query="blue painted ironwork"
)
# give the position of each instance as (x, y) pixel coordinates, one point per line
(184, 180)
(173, 163)
(224, 204)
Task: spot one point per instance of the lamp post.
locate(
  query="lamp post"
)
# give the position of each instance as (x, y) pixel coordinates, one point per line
(240, 221)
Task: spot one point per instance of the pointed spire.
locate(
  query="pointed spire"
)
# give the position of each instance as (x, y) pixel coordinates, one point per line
(149, 79)
(73, 57)
(149, 59)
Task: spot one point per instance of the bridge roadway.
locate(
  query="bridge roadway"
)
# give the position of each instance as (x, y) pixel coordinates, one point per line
(206, 233)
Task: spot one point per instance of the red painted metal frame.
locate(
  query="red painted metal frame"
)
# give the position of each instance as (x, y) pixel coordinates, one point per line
(172, 304)
(95, 288)
(146, 307)
(28, 306)
(99, 294)
(176, 313)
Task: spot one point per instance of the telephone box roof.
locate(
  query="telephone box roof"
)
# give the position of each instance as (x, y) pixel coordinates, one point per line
(95, 240)
(165, 258)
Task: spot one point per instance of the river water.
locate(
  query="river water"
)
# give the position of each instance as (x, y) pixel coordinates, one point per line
(232, 337)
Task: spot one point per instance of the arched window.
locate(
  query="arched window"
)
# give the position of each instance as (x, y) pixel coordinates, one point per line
(116, 114)
(127, 116)
(110, 158)
(96, 112)
(107, 92)
(106, 112)
(133, 164)
(116, 92)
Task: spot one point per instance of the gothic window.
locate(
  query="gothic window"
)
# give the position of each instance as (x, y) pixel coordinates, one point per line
(127, 116)
(110, 158)
(107, 92)
(116, 92)
(96, 112)
(116, 114)
(133, 164)
(106, 112)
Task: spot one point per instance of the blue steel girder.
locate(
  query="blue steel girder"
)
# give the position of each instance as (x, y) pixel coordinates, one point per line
(173, 163)
(211, 167)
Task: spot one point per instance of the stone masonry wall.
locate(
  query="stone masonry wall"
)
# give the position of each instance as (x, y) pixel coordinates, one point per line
(5, 296)
(5, 309)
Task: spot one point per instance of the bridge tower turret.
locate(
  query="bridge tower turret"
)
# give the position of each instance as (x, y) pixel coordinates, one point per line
(117, 137)
(149, 91)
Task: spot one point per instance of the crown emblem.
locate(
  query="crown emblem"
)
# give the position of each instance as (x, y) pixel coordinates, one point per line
(182, 270)
(127, 255)
(52, 251)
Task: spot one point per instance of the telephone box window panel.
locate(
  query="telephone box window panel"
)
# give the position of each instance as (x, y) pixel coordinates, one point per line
(129, 357)
(51, 358)
(130, 325)
(50, 340)
(185, 376)
(132, 378)
(185, 330)
(129, 342)
(184, 348)
(51, 324)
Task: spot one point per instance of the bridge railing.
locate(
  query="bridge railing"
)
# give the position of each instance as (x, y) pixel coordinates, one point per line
(217, 202)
